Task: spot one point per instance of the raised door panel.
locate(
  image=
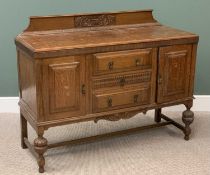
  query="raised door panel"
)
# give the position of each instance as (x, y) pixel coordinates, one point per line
(64, 78)
(64, 82)
(174, 72)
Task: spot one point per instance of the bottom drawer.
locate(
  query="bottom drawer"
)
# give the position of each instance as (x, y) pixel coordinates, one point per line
(104, 101)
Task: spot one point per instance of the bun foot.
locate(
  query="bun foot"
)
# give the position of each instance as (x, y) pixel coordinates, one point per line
(41, 169)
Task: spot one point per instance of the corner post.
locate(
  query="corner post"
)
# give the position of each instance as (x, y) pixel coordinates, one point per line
(23, 130)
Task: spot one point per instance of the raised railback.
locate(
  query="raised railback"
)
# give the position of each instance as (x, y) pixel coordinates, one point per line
(43, 23)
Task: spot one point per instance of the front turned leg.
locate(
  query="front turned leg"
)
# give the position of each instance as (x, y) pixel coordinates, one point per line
(158, 115)
(40, 146)
(187, 118)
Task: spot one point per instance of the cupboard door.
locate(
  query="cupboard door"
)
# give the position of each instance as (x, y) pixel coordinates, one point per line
(64, 79)
(174, 72)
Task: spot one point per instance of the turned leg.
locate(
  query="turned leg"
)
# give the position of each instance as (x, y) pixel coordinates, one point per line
(158, 115)
(187, 118)
(40, 146)
(23, 130)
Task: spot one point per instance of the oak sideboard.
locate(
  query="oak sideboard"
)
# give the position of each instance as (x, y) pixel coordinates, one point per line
(104, 66)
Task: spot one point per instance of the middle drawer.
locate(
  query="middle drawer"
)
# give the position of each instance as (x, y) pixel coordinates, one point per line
(121, 79)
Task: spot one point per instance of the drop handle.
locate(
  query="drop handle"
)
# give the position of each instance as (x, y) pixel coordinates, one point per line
(109, 102)
(135, 98)
(110, 65)
(83, 89)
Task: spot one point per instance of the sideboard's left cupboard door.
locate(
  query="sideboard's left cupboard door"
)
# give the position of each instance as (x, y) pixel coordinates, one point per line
(63, 87)
(174, 72)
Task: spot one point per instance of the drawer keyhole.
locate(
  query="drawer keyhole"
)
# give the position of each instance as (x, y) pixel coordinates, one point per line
(110, 65)
(137, 62)
(160, 79)
(83, 91)
(135, 98)
(122, 81)
(109, 102)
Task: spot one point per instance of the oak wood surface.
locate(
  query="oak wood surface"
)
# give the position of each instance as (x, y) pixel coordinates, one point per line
(27, 81)
(62, 86)
(108, 135)
(121, 61)
(109, 100)
(174, 72)
(82, 40)
(135, 27)
(42, 23)
(24, 130)
(107, 66)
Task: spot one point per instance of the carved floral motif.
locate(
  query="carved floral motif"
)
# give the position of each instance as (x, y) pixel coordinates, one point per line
(94, 20)
(128, 79)
(118, 116)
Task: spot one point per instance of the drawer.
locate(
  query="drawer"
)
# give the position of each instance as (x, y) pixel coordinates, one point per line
(123, 60)
(122, 79)
(105, 101)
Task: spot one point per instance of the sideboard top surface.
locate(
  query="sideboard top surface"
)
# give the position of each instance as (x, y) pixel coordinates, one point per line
(56, 34)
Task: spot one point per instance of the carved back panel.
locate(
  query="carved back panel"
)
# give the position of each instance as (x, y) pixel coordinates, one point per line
(42, 23)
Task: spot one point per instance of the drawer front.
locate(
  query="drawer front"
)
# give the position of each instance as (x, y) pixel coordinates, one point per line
(105, 101)
(122, 80)
(120, 61)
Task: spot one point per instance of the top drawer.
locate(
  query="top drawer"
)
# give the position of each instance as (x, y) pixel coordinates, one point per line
(123, 60)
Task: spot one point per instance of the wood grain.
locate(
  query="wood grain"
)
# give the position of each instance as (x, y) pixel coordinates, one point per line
(63, 81)
(121, 61)
(61, 22)
(109, 100)
(76, 42)
(174, 72)
(105, 66)
(27, 81)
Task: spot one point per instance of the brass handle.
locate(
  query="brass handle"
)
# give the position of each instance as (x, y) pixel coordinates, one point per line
(135, 98)
(160, 79)
(122, 81)
(83, 90)
(137, 62)
(109, 102)
(110, 65)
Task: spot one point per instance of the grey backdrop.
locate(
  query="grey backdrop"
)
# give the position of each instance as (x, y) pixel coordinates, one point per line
(190, 15)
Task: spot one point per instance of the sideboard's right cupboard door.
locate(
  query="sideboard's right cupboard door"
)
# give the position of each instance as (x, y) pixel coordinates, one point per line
(174, 72)
(64, 87)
